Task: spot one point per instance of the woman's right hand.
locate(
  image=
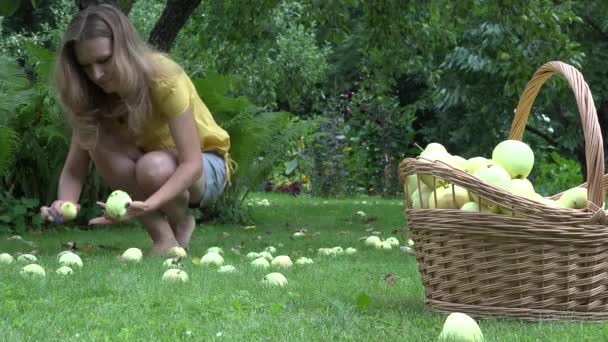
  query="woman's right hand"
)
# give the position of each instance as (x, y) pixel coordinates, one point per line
(53, 213)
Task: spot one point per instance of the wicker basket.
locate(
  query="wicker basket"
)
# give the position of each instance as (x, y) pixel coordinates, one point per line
(540, 263)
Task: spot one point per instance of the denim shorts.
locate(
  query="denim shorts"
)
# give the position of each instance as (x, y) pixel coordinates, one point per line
(214, 169)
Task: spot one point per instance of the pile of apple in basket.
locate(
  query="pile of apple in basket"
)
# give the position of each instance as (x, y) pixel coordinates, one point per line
(511, 163)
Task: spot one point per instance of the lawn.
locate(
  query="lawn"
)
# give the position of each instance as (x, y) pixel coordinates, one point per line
(336, 298)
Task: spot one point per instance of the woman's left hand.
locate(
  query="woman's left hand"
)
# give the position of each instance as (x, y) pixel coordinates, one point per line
(134, 209)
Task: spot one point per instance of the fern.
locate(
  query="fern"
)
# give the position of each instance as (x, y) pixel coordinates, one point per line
(8, 147)
(14, 86)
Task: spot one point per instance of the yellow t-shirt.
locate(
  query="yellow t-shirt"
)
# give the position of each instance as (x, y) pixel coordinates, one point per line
(172, 93)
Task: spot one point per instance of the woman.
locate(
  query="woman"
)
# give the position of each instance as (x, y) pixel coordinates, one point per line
(138, 117)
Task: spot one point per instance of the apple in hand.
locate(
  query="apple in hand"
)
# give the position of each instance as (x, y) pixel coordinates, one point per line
(116, 205)
(68, 211)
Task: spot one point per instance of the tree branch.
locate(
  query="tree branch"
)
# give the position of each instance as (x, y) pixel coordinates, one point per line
(125, 5)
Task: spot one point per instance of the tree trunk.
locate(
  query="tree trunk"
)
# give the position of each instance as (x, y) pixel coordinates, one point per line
(125, 5)
(173, 18)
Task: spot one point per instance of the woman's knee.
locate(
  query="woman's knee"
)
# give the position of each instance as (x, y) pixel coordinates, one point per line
(153, 169)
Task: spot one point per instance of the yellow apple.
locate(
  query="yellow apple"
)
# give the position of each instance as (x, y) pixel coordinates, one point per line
(515, 156)
(475, 163)
(575, 198)
(493, 174)
(448, 199)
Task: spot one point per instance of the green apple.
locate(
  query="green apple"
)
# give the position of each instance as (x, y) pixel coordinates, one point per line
(6, 258)
(474, 206)
(412, 183)
(215, 249)
(432, 148)
(457, 162)
(298, 235)
(270, 249)
(266, 255)
(281, 261)
(116, 205)
(64, 270)
(212, 259)
(385, 245)
(70, 259)
(448, 198)
(373, 242)
(522, 187)
(178, 252)
(575, 198)
(410, 243)
(424, 191)
(493, 174)
(393, 241)
(68, 211)
(515, 157)
(32, 270)
(175, 275)
(132, 255)
(326, 251)
(260, 263)
(227, 269)
(170, 263)
(429, 180)
(460, 327)
(252, 255)
(27, 258)
(338, 250)
(274, 279)
(475, 163)
(350, 251)
(304, 261)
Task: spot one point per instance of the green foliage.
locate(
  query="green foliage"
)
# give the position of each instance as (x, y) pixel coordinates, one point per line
(18, 214)
(553, 174)
(258, 138)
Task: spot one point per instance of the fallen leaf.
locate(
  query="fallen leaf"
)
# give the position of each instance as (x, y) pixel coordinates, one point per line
(248, 227)
(344, 232)
(196, 261)
(376, 232)
(362, 238)
(390, 278)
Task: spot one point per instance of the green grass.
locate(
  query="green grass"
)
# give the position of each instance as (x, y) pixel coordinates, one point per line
(337, 298)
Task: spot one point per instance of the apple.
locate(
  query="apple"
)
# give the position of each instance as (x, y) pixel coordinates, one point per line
(214, 249)
(457, 162)
(260, 263)
(116, 204)
(282, 261)
(385, 245)
(448, 198)
(425, 192)
(575, 198)
(515, 156)
(178, 252)
(298, 235)
(412, 183)
(175, 275)
(70, 259)
(131, 255)
(32, 270)
(475, 163)
(522, 187)
(6, 258)
(68, 211)
(266, 255)
(304, 261)
(227, 269)
(252, 255)
(327, 252)
(493, 174)
(474, 206)
(170, 263)
(27, 258)
(338, 250)
(350, 251)
(64, 270)
(393, 241)
(373, 242)
(410, 242)
(212, 258)
(433, 148)
(275, 279)
(431, 181)
(460, 327)
(270, 250)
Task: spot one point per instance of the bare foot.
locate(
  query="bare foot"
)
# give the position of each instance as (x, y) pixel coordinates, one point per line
(162, 247)
(183, 230)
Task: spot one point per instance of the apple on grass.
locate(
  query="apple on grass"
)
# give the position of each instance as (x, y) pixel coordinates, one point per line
(27, 258)
(212, 258)
(373, 242)
(6, 258)
(282, 261)
(70, 259)
(64, 270)
(175, 275)
(460, 327)
(304, 261)
(227, 269)
(32, 270)
(131, 255)
(260, 263)
(275, 279)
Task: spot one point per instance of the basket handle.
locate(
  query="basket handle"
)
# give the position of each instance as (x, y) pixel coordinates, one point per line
(594, 146)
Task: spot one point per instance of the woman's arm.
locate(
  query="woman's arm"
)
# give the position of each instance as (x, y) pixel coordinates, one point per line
(74, 173)
(189, 166)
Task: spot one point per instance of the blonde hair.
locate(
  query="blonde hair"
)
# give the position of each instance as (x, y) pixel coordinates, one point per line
(85, 104)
